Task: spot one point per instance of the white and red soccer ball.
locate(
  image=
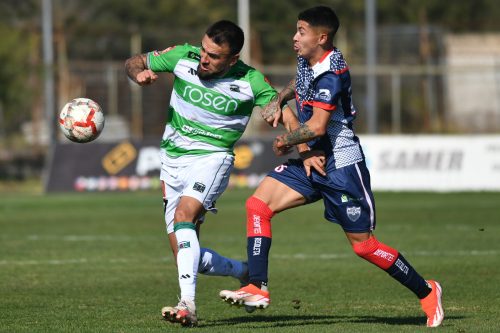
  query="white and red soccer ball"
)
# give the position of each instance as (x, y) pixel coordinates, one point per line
(81, 120)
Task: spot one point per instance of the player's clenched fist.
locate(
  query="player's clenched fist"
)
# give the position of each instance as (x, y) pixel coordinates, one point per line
(145, 77)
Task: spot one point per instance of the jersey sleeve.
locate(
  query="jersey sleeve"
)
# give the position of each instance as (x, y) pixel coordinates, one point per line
(327, 92)
(262, 89)
(165, 61)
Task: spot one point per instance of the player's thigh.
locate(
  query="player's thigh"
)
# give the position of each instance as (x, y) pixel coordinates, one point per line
(172, 190)
(206, 180)
(287, 186)
(348, 200)
(277, 195)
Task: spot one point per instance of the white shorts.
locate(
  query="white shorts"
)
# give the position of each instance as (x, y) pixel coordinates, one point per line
(204, 178)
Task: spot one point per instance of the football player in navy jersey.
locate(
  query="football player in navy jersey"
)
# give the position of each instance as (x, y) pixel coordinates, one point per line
(338, 173)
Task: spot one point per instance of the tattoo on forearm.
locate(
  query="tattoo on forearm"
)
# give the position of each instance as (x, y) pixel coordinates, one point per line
(270, 109)
(134, 66)
(288, 92)
(300, 135)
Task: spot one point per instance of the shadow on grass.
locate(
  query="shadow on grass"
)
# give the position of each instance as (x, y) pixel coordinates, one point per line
(259, 321)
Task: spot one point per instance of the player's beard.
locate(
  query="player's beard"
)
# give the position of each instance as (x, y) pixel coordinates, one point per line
(208, 76)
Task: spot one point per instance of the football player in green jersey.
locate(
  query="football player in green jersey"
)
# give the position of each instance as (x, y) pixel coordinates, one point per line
(211, 103)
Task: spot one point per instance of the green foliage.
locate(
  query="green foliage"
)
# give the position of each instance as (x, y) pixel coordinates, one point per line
(101, 263)
(16, 47)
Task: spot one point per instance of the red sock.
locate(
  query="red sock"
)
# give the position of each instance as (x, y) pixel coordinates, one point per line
(375, 252)
(258, 240)
(258, 218)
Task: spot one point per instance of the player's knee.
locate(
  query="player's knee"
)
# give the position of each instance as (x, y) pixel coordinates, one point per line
(258, 218)
(375, 252)
(183, 215)
(365, 248)
(256, 205)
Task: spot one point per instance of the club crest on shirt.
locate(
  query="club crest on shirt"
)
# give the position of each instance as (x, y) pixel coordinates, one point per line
(324, 95)
(353, 213)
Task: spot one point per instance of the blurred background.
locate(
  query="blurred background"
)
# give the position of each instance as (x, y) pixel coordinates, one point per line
(419, 67)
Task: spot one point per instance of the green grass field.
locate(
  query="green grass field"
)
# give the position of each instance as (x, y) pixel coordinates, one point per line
(101, 263)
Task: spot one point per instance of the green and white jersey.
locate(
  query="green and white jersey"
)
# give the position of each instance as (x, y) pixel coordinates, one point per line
(207, 116)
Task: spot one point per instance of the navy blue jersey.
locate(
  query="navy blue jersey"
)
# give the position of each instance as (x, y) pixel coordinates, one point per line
(327, 85)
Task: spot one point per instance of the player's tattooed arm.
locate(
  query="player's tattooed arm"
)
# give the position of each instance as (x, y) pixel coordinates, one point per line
(272, 112)
(284, 142)
(313, 128)
(137, 70)
(287, 93)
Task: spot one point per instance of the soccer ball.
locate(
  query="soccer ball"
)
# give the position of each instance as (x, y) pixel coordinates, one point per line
(81, 120)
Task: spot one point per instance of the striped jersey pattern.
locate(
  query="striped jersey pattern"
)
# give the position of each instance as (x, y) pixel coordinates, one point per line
(207, 116)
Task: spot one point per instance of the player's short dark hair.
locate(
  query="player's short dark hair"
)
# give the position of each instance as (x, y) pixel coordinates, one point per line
(225, 31)
(321, 16)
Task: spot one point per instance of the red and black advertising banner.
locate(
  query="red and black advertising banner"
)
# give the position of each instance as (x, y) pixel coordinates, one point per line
(132, 166)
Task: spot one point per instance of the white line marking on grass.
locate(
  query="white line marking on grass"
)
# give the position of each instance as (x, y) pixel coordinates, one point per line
(297, 256)
(87, 238)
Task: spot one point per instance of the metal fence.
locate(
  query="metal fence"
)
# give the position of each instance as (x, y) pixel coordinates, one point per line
(411, 99)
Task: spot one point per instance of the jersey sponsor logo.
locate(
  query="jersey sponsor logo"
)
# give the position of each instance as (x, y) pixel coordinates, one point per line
(199, 131)
(206, 98)
(199, 187)
(384, 255)
(345, 198)
(353, 213)
(193, 55)
(184, 245)
(324, 95)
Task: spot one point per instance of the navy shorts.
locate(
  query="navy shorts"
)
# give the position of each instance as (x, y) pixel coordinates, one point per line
(346, 192)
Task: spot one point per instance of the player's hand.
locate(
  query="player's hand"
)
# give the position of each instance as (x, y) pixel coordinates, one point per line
(280, 148)
(272, 113)
(314, 159)
(146, 77)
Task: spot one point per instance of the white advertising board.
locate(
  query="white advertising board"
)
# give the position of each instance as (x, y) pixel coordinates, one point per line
(433, 163)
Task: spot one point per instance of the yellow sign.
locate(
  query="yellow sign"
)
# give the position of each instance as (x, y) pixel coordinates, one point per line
(119, 157)
(243, 157)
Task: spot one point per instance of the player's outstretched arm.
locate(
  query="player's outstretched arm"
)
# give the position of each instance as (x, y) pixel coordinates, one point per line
(313, 128)
(272, 112)
(137, 70)
(287, 93)
(313, 159)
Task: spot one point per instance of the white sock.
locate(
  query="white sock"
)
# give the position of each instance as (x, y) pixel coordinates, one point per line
(212, 263)
(188, 258)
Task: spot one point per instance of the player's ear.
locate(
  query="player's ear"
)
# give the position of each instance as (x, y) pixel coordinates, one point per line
(323, 39)
(234, 59)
